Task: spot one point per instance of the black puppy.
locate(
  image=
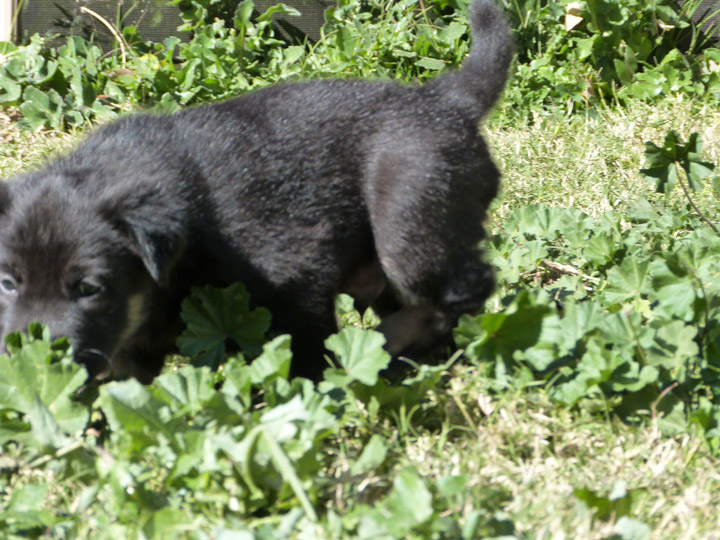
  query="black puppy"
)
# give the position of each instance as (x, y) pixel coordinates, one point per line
(301, 191)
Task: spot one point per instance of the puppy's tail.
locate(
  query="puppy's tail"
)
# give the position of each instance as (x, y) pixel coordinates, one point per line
(485, 71)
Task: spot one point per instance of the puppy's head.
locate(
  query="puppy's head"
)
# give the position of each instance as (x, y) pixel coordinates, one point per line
(89, 265)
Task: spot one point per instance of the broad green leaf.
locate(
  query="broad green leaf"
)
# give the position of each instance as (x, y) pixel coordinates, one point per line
(238, 383)
(627, 528)
(273, 363)
(528, 328)
(451, 486)
(661, 170)
(45, 429)
(10, 91)
(596, 366)
(168, 523)
(616, 504)
(674, 289)
(30, 498)
(641, 211)
(579, 319)
(537, 220)
(41, 109)
(430, 63)
(409, 498)
(663, 162)
(215, 315)
(696, 169)
(24, 510)
(40, 380)
(413, 390)
(373, 455)
(134, 410)
(600, 248)
(359, 354)
(633, 377)
(408, 505)
(625, 328)
(188, 389)
(452, 33)
(674, 345)
(277, 9)
(629, 281)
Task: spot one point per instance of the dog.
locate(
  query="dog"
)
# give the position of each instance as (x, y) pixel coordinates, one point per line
(300, 190)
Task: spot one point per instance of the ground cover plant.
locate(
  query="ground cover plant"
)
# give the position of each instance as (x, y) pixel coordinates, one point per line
(583, 403)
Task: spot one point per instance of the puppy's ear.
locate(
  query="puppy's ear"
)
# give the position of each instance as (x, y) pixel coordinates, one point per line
(155, 225)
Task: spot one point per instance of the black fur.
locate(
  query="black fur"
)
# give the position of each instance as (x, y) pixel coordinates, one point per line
(299, 190)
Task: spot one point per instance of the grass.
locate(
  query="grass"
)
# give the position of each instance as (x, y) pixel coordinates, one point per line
(22, 150)
(592, 162)
(536, 454)
(524, 456)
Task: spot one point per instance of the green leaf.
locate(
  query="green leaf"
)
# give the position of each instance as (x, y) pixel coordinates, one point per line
(409, 497)
(631, 529)
(430, 63)
(579, 319)
(238, 382)
(527, 329)
(629, 281)
(167, 523)
(616, 504)
(243, 13)
(213, 316)
(273, 363)
(10, 91)
(277, 9)
(600, 248)
(29, 498)
(39, 379)
(674, 289)
(663, 162)
(24, 510)
(286, 469)
(141, 416)
(41, 109)
(6, 47)
(674, 344)
(453, 32)
(696, 169)
(408, 505)
(188, 389)
(308, 412)
(360, 355)
(537, 220)
(597, 366)
(373, 455)
(45, 429)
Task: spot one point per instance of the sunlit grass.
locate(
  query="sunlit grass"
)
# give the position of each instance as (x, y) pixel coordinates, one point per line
(591, 162)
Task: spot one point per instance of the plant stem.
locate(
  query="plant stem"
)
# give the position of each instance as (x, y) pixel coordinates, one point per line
(121, 41)
(692, 203)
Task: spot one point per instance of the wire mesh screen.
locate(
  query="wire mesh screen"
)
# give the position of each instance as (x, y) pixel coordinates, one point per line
(155, 19)
(311, 19)
(707, 14)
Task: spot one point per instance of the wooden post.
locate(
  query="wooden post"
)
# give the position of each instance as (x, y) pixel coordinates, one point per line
(7, 12)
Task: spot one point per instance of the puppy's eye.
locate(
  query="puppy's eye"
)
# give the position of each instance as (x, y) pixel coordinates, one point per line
(87, 288)
(8, 285)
